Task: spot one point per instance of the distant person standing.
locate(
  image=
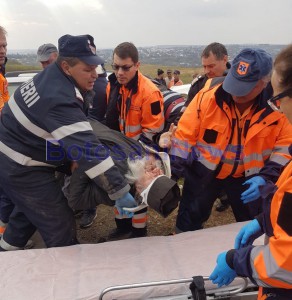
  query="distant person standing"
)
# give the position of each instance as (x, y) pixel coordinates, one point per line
(47, 54)
(159, 78)
(176, 80)
(169, 77)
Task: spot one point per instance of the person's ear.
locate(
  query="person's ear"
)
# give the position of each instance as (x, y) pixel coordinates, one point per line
(65, 67)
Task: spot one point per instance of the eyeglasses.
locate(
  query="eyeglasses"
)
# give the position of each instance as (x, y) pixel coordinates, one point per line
(124, 68)
(273, 102)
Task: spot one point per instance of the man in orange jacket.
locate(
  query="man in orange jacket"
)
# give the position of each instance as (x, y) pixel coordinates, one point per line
(135, 108)
(269, 265)
(229, 138)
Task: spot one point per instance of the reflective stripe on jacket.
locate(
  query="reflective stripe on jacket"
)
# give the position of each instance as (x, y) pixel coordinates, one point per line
(205, 129)
(272, 264)
(44, 125)
(139, 107)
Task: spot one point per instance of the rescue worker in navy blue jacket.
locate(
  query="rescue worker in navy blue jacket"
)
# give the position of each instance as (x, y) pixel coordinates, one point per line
(44, 128)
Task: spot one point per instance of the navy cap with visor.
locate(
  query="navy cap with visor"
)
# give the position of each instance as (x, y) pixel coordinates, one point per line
(80, 46)
(247, 68)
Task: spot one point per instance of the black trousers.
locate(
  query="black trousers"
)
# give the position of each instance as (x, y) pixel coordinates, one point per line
(39, 204)
(198, 198)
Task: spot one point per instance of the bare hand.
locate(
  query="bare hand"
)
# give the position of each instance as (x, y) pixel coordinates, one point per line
(74, 166)
(166, 137)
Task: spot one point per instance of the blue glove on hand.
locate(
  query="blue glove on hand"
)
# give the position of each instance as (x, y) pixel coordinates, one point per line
(126, 201)
(247, 234)
(253, 192)
(222, 274)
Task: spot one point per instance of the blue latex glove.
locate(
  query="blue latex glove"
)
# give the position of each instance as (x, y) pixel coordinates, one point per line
(126, 201)
(247, 234)
(222, 274)
(253, 192)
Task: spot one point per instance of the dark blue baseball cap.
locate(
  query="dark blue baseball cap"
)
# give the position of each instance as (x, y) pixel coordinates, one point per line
(247, 68)
(80, 46)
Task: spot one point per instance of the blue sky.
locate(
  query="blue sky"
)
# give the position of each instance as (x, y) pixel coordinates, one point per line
(31, 23)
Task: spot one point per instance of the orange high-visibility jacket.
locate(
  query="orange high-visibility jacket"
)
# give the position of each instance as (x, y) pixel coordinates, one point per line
(4, 95)
(205, 128)
(271, 264)
(139, 107)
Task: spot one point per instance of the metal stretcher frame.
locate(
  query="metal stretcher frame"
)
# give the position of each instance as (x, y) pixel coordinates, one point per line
(218, 293)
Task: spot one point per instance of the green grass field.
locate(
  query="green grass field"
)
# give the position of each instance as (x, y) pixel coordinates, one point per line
(149, 70)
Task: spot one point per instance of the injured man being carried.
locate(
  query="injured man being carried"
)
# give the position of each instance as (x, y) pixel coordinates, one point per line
(147, 170)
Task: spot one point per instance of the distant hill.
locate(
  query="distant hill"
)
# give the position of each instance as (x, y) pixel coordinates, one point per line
(166, 55)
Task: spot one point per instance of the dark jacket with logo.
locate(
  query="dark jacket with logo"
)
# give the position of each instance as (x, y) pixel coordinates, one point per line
(44, 125)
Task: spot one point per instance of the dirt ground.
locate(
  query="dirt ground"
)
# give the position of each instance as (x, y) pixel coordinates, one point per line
(156, 224)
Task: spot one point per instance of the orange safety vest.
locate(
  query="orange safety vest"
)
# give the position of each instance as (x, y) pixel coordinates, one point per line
(4, 94)
(140, 109)
(272, 263)
(205, 129)
(172, 83)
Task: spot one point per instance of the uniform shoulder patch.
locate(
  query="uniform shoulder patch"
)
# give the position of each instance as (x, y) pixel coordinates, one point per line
(285, 214)
(155, 108)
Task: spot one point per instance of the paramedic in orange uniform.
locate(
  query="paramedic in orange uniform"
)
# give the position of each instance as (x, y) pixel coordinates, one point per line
(269, 266)
(135, 108)
(229, 138)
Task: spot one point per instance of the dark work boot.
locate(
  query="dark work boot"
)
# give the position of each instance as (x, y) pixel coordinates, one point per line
(223, 203)
(123, 230)
(87, 218)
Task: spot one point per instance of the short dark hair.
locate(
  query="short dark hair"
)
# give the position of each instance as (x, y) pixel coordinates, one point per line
(283, 66)
(217, 49)
(71, 61)
(126, 50)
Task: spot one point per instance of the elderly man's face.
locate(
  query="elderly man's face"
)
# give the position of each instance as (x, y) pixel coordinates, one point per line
(151, 172)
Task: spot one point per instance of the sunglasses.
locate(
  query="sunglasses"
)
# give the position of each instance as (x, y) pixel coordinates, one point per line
(274, 103)
(124, 68)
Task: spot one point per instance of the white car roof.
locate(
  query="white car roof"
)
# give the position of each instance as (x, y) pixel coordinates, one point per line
(182, 89)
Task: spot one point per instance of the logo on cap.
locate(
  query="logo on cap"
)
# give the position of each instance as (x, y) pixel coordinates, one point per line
(91, 47)
(242, 68)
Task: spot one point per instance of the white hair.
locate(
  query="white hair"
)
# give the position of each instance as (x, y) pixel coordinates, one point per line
(137, 167)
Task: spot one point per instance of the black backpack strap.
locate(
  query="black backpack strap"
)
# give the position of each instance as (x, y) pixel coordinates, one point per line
(197, 288)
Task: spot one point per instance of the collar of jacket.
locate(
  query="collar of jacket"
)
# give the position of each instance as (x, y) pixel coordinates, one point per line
(132, 85)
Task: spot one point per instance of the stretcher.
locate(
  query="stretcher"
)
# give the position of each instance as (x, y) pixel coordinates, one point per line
(159, 267)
